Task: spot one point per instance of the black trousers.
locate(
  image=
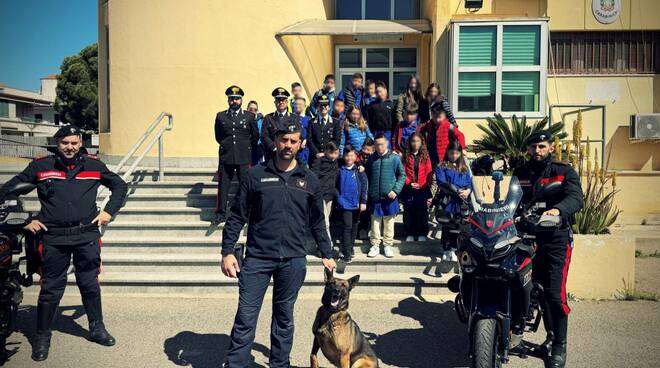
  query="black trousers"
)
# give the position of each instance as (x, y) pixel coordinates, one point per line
(288, 276)
(56, 261)
(448, 240)
(550, 269)
(350, 221)
(416, 220)
(226, 174)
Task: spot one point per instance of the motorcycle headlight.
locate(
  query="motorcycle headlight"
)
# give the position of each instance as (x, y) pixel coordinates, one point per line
(476, 242)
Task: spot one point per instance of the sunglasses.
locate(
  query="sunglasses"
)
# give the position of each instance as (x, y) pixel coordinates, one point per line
(280, 99)
(233, 98)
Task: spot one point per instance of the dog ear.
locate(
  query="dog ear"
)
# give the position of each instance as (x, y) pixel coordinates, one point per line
(328, 275)
(353, 281)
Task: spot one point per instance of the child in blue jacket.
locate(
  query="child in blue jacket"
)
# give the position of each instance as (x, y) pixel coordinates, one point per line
(453, 169)
(351, 200)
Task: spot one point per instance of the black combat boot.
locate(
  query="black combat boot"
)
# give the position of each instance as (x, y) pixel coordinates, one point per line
(41, 344)
(97, 331)
(558, 357)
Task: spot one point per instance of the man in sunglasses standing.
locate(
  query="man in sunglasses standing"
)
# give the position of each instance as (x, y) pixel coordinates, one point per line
(237, 134)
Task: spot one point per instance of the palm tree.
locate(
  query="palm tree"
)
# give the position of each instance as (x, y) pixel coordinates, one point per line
(508, 142)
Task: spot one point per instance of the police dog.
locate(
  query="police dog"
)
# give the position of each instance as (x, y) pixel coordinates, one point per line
(335, 332)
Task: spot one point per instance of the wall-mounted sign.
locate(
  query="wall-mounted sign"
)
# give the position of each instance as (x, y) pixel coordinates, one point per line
(606, 11)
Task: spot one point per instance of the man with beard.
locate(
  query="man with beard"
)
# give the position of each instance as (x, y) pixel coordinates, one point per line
(237, 134)
(553, 256)
(68, 224)
(280, 199)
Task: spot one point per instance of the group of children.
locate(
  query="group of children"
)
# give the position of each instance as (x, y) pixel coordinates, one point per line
(367, 178)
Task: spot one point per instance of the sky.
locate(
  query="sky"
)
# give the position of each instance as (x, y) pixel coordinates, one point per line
(36, 35)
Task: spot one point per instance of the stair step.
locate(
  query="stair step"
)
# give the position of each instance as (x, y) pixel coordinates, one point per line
(653, 219)
(215, 282)
(166, 214)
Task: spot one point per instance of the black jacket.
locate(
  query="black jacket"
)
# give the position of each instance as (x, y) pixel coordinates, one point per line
(237, 136)
(270, 126)
(379, 116)
(321, 134)
(533, 175)
(326, 170)
(278, 213)
(68, 194)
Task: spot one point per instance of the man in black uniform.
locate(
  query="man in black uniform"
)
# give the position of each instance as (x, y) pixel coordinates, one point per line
(237, 134)
(323, 130)
(273, 121)
(68, 224)
(553, 255)
(281, 199)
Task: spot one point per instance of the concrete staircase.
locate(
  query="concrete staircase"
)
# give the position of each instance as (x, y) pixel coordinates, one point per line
(162, 241)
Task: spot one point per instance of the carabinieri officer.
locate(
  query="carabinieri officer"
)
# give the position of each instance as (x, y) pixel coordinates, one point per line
(237, 134)
(68, 224)
(280, 199)
(274, 121)
(553, 256)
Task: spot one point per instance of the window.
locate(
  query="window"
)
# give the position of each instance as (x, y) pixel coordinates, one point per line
(391, 65)
(377, 9)
(499, 67)
(605, 52)
(38, 117)
(4, 109)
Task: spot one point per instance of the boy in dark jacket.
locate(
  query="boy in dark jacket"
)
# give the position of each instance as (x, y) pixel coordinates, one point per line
(326, 169)
(351, 200)
(379, 114)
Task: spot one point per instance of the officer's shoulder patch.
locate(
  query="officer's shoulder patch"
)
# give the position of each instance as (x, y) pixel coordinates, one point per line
(301, 183)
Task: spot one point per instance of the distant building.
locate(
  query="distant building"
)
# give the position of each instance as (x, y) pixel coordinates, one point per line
(18, 107)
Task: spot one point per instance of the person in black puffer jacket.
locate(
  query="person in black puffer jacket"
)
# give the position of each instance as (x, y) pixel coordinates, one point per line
(327, 168)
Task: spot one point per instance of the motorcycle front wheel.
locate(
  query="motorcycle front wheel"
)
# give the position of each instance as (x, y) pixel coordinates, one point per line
(486, 344)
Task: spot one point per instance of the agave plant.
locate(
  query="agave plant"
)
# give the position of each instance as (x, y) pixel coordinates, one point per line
(508, 142)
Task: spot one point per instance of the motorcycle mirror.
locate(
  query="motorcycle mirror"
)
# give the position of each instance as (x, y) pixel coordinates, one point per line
(19, 189)
(449, 189)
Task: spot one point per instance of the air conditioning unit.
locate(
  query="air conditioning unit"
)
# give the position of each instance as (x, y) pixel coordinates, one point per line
(645, 126)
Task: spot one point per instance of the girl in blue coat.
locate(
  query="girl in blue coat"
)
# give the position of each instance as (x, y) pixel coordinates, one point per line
(453, 170)
(351, 200)
(355, 130)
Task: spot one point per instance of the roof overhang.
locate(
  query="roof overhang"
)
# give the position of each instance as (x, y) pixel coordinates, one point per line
(337, 27)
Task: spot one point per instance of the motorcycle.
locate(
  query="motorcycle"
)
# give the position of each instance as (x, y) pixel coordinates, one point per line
(12, 279)
(496, 295)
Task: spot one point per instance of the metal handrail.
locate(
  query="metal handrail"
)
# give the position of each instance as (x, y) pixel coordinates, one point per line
(158, 137)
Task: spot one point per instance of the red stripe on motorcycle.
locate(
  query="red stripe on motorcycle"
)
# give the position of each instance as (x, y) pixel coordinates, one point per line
(93, 175)
(527, 261)
(567, 261)
(50, 174)
(508, 223)
(558, 179)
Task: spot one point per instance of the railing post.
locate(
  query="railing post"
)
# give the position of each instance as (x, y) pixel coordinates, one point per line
(161, 175)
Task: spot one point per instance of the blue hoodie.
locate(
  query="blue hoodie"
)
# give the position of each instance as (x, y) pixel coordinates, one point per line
(351, 188)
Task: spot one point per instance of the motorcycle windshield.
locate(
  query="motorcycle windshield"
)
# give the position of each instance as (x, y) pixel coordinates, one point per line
(513, 196)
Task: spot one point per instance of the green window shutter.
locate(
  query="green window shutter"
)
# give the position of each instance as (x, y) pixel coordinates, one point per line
(520, 83)
(4, 109)
(477, 45)
(476, 84)
(521, 45)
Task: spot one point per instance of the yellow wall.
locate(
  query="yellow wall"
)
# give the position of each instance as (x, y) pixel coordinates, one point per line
(577, 15)
(165, 56)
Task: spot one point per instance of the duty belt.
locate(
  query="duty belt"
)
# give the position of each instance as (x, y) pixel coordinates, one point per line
(74, 230)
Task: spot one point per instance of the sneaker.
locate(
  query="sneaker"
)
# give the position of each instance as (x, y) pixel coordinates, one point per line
(373, 251)
(388, 251)
(453, 257)
(422, 239)
(410, 238)
(446, 256)
(348, 259)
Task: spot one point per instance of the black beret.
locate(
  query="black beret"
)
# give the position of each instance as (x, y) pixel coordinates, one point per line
(540, 136)
(66, 131)
(280, 92)
(234, 91)
(324, 100)
(288, 125)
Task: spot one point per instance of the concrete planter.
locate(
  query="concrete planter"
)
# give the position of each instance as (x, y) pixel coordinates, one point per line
(598, 265)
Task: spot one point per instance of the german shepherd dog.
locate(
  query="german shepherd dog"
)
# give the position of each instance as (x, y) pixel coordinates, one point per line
(335, 332)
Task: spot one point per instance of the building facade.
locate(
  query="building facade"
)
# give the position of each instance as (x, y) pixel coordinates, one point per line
(18, 107)
(523, 57)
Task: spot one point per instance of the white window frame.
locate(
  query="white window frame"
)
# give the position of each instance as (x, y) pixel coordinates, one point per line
(390, 69)
(498, 68)
(363, 9)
